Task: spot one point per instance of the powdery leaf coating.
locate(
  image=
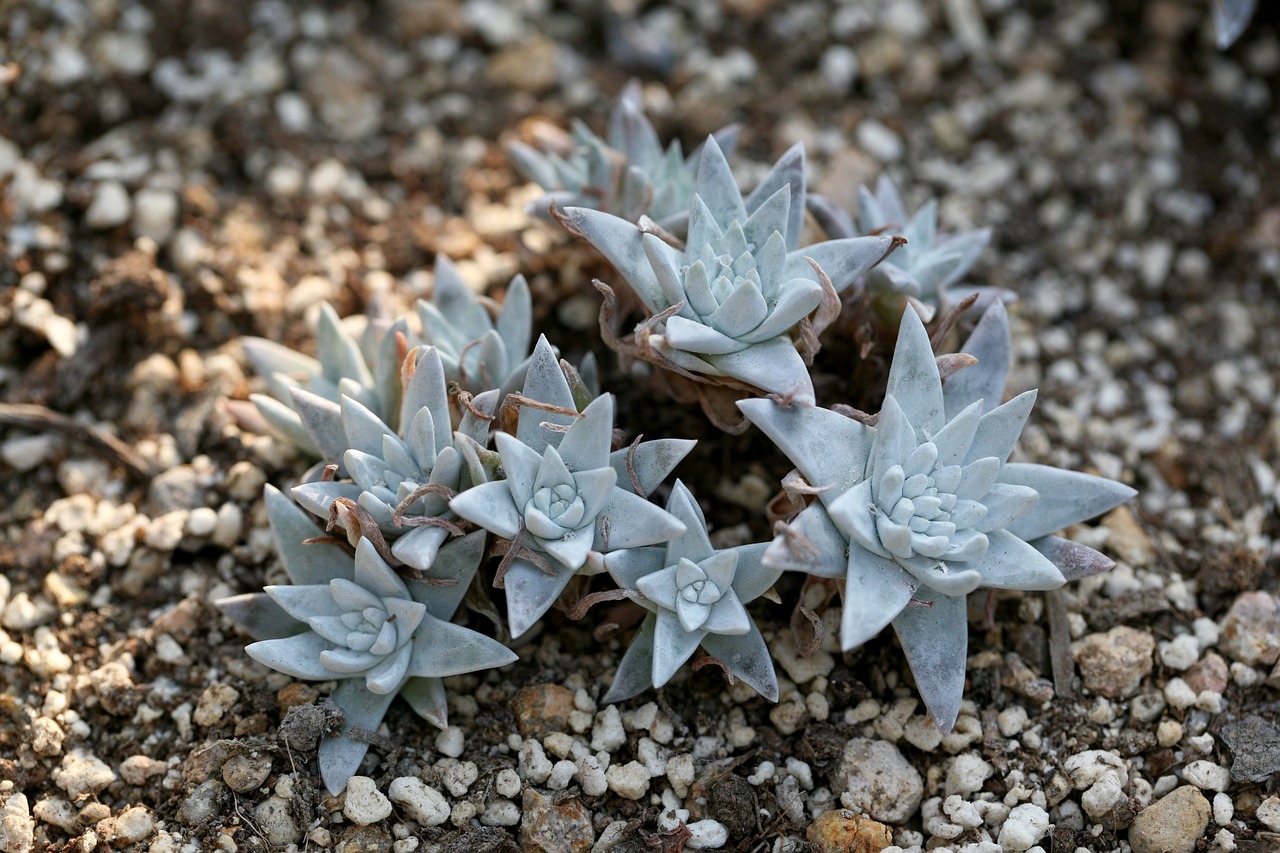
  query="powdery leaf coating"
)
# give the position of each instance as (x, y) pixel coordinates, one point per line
(696, 596)
(923, 508)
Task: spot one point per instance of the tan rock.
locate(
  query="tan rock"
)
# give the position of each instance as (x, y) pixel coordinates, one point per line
(554, 827)
(1113, 664)
(843, 831)
(1172, 824)
(1128, 540)
(1251, 631)
(542, 710)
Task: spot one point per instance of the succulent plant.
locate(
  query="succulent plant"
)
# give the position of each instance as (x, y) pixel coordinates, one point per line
(628, 174)
(924, 507)
(696, 596)
(479, 351)
(1230, 18)
(354, 620)
(726, 307)
(366, 369)
(399, 477)
(564, 493)
(929, 267)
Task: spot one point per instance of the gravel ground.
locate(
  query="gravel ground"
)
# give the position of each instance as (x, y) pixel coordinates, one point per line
(178, 173)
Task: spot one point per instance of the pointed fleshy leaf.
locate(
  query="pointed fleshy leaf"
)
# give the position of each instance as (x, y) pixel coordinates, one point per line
(752, 578)
(954, 440)
(694, 544)
(269, 357)
(635, 671)
(876, 590)
(456, 301)
(666, 264)
(1011, 563)
(316, 498)
(620, 243)
(340, 756)
(829, 449)
(773, 366)
(530, 593)
(843, 261)
(789, 171)
(741, 312)
(814, 545)
(545, 383)
(441, 649)
(418, 547)
(747, 657)
(1066, 497)
(913, 376)
(935, 640)
(428, 699)
(373, 573)
(586, 444)
(651, 462)
(258, 616)
(428, 390)
(628, 567)
(285, 422)
(297, 656)
(716, 186)
(305, 564)
(340, 356)
(457, 561)
(896, 437)
(364, 430)
(990, 344)
(1000, 428)
(304, 602)
(831, 218)
(571, 551)
(694, 336)
(515, 319)
(1005, 504)
(1074, 560)
(628, 521)
(800, 297)
(477, 428)
(728, 617)
(672, 646)
(322, 420)
(660, 587)
(490, 506)
(769, 218)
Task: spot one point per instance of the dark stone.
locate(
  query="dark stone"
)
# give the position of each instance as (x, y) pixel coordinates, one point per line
(489, 839)
(304, 725)
(364, 839)
(734, 804)
(821, 745)
(1255, 745)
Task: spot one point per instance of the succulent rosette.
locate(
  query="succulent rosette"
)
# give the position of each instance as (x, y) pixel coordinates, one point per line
(628, 174)
(731, 299)
(924, 507)
(564, 493)
(357, 622)
(696, 596)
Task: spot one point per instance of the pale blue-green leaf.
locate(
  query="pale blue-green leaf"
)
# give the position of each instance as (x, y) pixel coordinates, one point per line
(316, 498)
(694, 544)
(515, 319)
(322, 420)
(635, 672)
(268, 357)
(545, 383)
(489, 505)
(1074, 561)
(340, 756)
(297, 656)
(835, 223)
(829, 449)
(399, 458)
(285, 422)
(923, 227)
(978, 478)
(418, 547)
(728, 616)
(685, 360)
(935, 640)
(716, 186)
(258, 616)
(441, 649)
(367, 469)
(552, 471)
(695, 336)
(457, 301)
(771, 217)
(956, 578)
(752, 578)
(747, 657)
(672, 646)
(1011, 563)
(651, 462)
(572, 550)
(427, 697)
(666, 264)
(373, 573)
(457, 560)
(305, 564)
(1066, 497)
(990, 344)
(954, 440)
(799, 298)
(477, 428)
(913, 377)
(896, 437)
(620, 243)
(814, 546)
(968, 245)
(1005, 504)
(629, 566)
(628, 521)
(843, 261)
(743, 310)
(428, 390)
(304, 602)
(586, 444)
(364, 429)
(520, 464)
(788, 172)
(697, 288)
(875, 592)
(1000, 428)
(774, 366)
(340, 356)
(595, 488)
(532, 166)
(530, 593)
(660, 586)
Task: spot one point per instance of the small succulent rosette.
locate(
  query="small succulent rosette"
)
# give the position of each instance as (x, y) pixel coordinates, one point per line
(924, 507)
(727, 307)
(628, 173)
(356, 621)
(564, 493)
(928, 268)
(364, 367)
(696, 596)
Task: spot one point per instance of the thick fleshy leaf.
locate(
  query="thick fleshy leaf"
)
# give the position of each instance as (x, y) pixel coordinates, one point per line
(672, 646)
(1000, 428)
(418, 547)
(693, 336)
(586, 444)
(954, 440)
(743, 310)
(1005, 504)
(913, 376)
(666, 263)
(990, 344)
(728, 616)
(1011, 563)
(752, 578)
(876, 590)
(456, 561)
(935, 640)
(635, 671)
(291, 526)
(1066, 497)
(660, 586)
(843, 261)
(297, 656)
(694, 544)
(269, 357)
(1074, 561)
(896, 438)
(340, 756)
(831, 218)
(620, 243)
(427, 390)
(717, 187)
(521, 465)
(316, 498)
(489, 505)
(285, 422)
(340, 356)
(368, 470)
(773, 366)
(800, 297)
(364, 429)
(476, 428)
(457, 302)
(572, 550)
(387, 676)
(322, 420)
(258, 616)
(788, 172)
(428, 699)
(629, 521)
(304, 602)
(829, 449)
(814, 546)
(530, 593)
(545, 383)
(442, 649)
(747, 658)
(373, 573)
(628, 567)
(651, 462)
(515, 319)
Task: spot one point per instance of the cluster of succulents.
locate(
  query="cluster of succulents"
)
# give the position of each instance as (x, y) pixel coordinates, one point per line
(454, 455)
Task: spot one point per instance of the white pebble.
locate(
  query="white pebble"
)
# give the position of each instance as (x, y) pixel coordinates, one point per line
(534, 765)
(629, 781)
(1025, 825)
(879, 141)
(1180, 652)
(155, 214)
(507, 783)
(110, 206)
(1207, 776)
(707, 835)
(500, 813)
(420, 801)
(365, 804)
(608, 734)
(1269, 813)
(460, 776)
(1223, 809)
(591, 776)
(562, 775)
(450, 742)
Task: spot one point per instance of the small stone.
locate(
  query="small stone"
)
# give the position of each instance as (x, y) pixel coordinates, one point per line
(214, 703)
(629, 781)
(274, 819)
(507, 783)
(542, 709)
(1269, 813)
(137, 769)
(1207, 776)
(420, 801)
(1025, 825)
(873, 777)
(82, 773)
(608, 733)
(17, 829)
(364, 839)
(1251, 629)
(879, 141)
(199, 808)
(450, 742)
(131, 826)
(1180, 652)
(548, 826)
(706, 835)
(26, 452)
(1172, 824)
(1113, 664)
(364, 803)
(155, 214)
(1255, 746)
(1209, 673)
(246, 771)
(1127, 540)
(56, 811)
(110, 206)
(245, 481)
(844, 831)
